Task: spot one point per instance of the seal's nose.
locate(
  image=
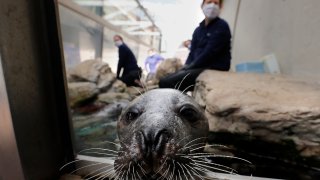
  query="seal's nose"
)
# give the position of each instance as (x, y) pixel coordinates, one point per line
(153, 142)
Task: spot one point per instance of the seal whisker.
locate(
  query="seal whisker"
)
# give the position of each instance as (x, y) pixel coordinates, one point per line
(112, 143)
(214, 168)
(103, 172)
(165, 161)
(215, 164)
(188, 171)
(195, 172)
(70, 163)
(142, 170)
(206, 171)
(87, 166)
(122, 175)
(123, 143)
(220, 156)
(106, 154)
(165, 173)
(179, 174)
(138, 175)
(188, 147)
(197, 139)
(214, 145)
(175, 87)
(144, 86)
(173, 170)
(94, 172)
(99, 149)
(128, 170)
(138, 90)
(183, 80)
(182, 170)
(134, 174)
(187, 88)
(183, 138)
(118, 176)
(106, 174)
(117, 170)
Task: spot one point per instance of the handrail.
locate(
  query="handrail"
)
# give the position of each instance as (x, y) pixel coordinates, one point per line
(78, 9)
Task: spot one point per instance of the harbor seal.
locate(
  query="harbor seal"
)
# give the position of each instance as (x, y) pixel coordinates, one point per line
(159, 132)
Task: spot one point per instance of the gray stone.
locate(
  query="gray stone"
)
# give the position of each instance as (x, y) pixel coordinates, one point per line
(118, 87)
(81, 91)
(167, 67)
(135, 91)
(105, 81)
(272, 108)
(90, 70)
(112, 97)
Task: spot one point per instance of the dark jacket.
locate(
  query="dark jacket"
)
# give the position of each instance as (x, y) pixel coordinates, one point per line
(127, 60)
(211, 46)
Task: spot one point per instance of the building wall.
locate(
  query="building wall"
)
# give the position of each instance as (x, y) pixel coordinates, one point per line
(288, 28)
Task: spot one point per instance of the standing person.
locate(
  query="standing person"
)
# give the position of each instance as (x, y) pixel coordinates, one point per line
(131, 71)
(210, 49)
(151, 63)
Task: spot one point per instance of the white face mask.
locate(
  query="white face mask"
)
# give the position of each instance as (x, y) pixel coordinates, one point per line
(211, 10)
(118, 43)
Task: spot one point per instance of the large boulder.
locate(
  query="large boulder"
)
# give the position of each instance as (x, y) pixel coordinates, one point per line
(167, 67)
(90, 70)
(272, 109)
(81, 91)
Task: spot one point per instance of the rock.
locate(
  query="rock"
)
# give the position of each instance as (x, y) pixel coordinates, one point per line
(118, 87)
(273, 109)
(135, 91)
(105, 81)
(81, 91)
(167, 67)
(112, 97)
(90, 70)
(113, 110)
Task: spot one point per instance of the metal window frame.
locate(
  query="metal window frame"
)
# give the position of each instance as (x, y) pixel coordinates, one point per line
(34, 78)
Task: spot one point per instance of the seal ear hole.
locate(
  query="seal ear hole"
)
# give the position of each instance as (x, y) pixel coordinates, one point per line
(189, 113)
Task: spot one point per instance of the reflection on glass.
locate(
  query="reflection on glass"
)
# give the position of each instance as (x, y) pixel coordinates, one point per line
(81, 37)
(96, 97)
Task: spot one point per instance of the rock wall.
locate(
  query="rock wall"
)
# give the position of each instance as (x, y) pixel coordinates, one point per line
(272, 109)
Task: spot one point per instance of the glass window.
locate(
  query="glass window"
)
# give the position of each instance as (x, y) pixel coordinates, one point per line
(91, 59)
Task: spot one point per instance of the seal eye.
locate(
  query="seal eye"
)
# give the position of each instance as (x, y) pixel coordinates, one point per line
(189, 113)
(130, 116)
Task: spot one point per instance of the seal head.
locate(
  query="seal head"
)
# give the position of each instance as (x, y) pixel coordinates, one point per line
(156, 132)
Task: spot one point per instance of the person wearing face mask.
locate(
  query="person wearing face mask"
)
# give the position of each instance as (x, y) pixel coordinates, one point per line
(127, 62)
(210, 48)
(151, 64)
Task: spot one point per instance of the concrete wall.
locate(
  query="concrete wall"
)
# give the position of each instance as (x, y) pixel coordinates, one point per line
(288, 28)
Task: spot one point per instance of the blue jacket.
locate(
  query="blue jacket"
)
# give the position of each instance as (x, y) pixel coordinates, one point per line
(127, 60)
(152, 61)
(211, 46)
